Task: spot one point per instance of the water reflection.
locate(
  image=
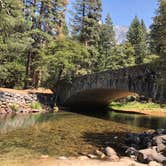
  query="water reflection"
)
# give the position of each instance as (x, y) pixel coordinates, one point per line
(137, 120)
(12, 122)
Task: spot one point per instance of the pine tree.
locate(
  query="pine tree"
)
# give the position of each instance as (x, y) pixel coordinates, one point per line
(85, 22)
(158, 31)
(47, 24)
(14, 41)
(137, 36)
(106, 42)
(158, 41)
(121, 56)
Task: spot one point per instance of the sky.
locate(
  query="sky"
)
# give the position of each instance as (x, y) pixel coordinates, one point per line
(123, 11)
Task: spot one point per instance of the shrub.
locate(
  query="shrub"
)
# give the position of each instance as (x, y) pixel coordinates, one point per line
(14, 107)
(36, 105)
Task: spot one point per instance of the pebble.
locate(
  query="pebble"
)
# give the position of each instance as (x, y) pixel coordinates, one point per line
(100, 154)
(44, 156)
(92, 156)
(62, 158)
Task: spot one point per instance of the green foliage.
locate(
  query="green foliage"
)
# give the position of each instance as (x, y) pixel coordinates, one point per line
(35, 47)
(66, 58)
(85, 22)
(107, 35)
(158, 42)
(36, 105)
(106, 43)
(14, 107)
(137, 36)
(151, 58)
(13, 42)
(121, 56)
(47, 23)
(158, 31)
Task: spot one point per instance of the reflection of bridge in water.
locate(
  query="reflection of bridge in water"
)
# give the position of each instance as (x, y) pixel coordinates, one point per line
(101, 88)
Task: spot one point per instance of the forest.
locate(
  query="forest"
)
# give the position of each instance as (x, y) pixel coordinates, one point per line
(38, 47)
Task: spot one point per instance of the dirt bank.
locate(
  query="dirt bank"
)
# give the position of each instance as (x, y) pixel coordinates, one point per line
(39, 90)
(153, 112)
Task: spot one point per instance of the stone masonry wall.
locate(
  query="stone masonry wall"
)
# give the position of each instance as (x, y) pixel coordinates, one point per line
(141, 79)
(24, 101)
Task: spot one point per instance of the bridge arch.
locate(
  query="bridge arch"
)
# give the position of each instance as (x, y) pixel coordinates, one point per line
(101, 88)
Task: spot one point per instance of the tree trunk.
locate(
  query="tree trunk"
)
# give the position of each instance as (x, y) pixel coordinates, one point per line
(28, 70)
(39, 78)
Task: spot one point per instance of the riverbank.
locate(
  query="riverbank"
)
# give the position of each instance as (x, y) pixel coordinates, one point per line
(150, 109)
(83, 162)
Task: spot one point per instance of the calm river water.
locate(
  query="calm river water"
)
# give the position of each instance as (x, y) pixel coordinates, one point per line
(25, 137)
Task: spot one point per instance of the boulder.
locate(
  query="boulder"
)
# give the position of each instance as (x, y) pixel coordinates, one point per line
(110, 151)
(148, 155)
(160, 142)
(131, 151)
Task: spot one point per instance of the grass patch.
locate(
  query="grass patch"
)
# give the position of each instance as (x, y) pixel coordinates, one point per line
(135, 105)
(14, 107)
(36, 105)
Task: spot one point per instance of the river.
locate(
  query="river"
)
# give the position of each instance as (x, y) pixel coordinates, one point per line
(25, 137)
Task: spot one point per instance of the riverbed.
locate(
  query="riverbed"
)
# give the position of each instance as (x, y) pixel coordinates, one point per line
(28, 137)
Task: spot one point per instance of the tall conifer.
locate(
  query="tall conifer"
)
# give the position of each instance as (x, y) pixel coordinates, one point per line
(137, 36)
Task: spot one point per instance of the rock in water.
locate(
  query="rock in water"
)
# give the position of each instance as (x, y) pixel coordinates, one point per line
(160, 142)
(55, 109)
(148, 155)
(131, 151)
(110, 151)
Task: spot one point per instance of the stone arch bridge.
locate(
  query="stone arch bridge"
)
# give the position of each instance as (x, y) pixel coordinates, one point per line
(103, 87)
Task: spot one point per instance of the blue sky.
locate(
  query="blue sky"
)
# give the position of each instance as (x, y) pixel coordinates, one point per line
(123, 11)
